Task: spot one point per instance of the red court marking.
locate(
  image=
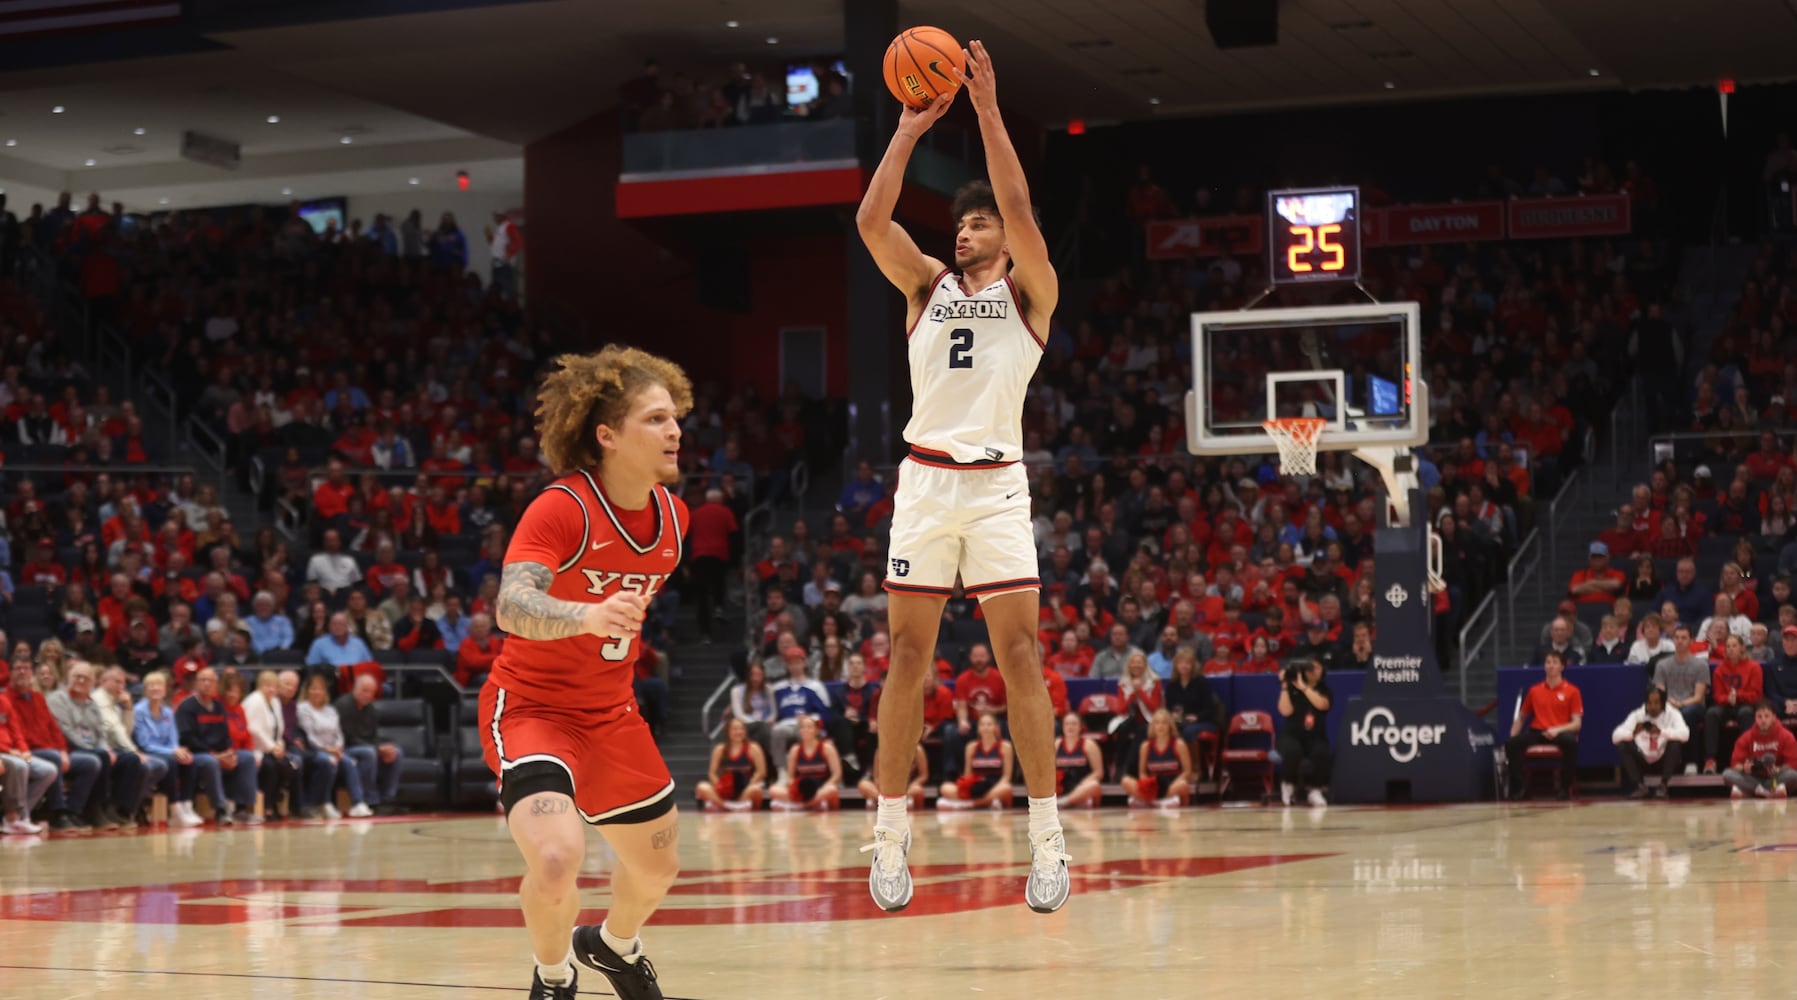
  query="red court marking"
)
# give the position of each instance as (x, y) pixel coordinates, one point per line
(826, 895)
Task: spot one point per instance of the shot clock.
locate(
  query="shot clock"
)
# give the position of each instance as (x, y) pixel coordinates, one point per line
(1313, 234)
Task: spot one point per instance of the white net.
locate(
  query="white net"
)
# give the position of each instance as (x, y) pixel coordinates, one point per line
(1296, 438)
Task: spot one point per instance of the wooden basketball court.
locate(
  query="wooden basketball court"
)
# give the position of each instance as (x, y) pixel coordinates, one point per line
(1603, 900)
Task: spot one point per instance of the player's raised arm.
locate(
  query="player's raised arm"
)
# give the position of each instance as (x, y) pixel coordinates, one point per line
(903, 264)
(1031, 268)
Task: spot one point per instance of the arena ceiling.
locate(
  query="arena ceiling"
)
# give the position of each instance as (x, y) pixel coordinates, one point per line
(476, 82)
(537, 66)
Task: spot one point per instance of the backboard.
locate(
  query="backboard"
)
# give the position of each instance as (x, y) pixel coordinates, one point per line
(1357, 366)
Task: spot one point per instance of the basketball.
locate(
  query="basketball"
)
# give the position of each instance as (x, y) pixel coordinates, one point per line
(923, 64)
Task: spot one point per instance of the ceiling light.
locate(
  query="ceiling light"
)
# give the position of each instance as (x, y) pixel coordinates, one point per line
(346, 140)
(11, 143)
(139, 131)
(1595, 72)
(413, 181)
(56, 110)
(162, 201)
(88, 163)
(772, 40)
(286, 190)
(731, 24)
(1390, 85)
(1154, 100)
(273, 119)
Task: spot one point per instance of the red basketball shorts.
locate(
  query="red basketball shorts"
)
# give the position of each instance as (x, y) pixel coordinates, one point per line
(612, 761)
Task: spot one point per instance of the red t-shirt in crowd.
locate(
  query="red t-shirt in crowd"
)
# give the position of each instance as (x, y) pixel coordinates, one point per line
(36, 574)
(1622, 544)
(1765, 466)
(1743, 678)
(713, 524)
(330, 500)
(444, 520)
(982, 694)
(1585, 576)
(1746, 603)
(1549, 707)
(239, 726)
(1233, 632)
(1754, 743)
(938, 706)
(448, 482)
(1075, 664)
(1057, 691)
(382, 577)
(470, 659)
(12, 735)
(32, 715)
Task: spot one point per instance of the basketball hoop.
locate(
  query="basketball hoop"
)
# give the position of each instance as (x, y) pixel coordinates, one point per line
(1296, 438)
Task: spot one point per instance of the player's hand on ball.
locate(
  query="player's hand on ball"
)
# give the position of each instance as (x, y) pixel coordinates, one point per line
(981, 88)
(915, 123)
(618, 616)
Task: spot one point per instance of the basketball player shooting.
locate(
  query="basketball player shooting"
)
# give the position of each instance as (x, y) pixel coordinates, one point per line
(559, 724)
(963, 502)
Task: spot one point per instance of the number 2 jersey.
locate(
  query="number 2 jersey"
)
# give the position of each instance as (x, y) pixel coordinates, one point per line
(596, 550)
(971, 355)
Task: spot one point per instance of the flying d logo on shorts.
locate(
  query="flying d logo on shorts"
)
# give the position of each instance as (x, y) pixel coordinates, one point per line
(901, 567)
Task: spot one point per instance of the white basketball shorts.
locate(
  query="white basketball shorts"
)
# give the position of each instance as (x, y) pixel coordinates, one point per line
(972, 520)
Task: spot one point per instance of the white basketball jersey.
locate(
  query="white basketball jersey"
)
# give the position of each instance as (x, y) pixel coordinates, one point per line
(972, 355)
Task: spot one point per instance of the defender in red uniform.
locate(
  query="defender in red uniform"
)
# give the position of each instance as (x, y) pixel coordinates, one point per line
(559, 723)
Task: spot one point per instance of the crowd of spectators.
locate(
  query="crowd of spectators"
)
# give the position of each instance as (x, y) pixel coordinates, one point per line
(379, 402)
(86, 753)
(1693, 580)
(378, 399)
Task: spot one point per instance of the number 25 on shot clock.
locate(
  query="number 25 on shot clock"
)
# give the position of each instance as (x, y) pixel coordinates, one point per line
(1308, 239)
(1315, 235)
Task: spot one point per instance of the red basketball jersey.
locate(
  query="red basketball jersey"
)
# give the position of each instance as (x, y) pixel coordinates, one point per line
(596, 550)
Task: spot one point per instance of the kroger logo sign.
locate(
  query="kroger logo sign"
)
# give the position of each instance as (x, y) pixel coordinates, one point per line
(1380, 728)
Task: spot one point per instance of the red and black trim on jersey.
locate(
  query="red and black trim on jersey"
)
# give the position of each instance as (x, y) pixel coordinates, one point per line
(1023, 314)
(664, 516)
(943, 460)
(930, 289)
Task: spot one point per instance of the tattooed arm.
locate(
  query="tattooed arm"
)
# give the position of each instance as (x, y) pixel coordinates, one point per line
(525, 608)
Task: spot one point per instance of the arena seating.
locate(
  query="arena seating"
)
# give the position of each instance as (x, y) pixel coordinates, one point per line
(344, 420)
(1726, 419)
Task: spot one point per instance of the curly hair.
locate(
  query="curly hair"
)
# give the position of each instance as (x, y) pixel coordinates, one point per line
(973, 196)
(587, 390)
(977, 196)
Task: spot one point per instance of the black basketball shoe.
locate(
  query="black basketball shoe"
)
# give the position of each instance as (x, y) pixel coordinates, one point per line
(540, 990)
(630, 980)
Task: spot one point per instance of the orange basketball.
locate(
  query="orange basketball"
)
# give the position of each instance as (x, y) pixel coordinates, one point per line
(923, 64)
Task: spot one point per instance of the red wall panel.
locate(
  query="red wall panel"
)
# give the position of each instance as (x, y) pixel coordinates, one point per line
(601, 279)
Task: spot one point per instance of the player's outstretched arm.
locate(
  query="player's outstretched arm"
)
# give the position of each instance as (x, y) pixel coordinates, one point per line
(903, 264)
(1031, 267)
(526, 610)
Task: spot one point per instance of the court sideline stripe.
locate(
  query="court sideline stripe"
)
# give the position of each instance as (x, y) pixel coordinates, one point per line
(287, 979)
